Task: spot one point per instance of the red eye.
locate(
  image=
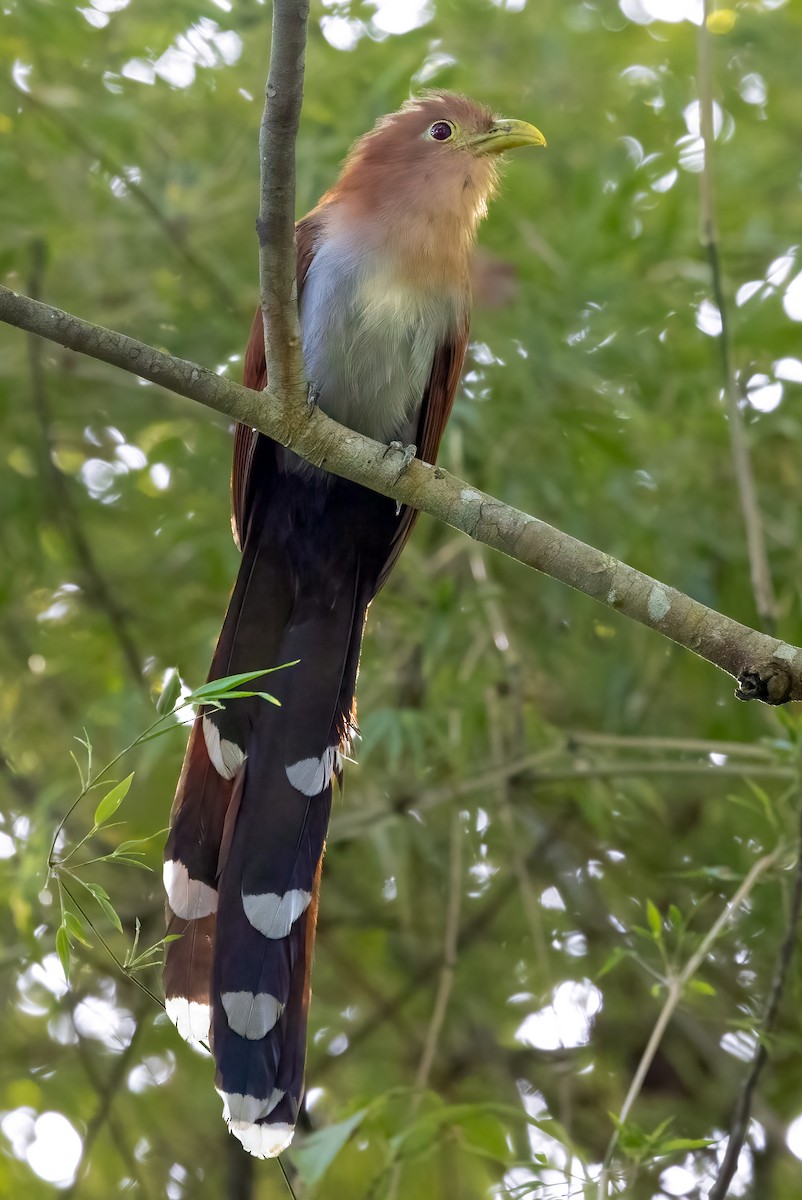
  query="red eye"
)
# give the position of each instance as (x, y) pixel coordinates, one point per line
(441, 131)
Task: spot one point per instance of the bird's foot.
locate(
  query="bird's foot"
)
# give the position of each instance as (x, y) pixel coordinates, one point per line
(312, 397)
(408, 453)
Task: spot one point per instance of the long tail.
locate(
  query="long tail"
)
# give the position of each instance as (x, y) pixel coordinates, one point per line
(244, 854)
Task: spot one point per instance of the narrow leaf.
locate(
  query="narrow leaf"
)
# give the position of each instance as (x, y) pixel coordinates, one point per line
(76, 928)
(655, 920)
(112, 800)
(169, 693)
(104, 903)
(63, 950)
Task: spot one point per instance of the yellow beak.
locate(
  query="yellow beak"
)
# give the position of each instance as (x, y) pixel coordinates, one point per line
(506, 135)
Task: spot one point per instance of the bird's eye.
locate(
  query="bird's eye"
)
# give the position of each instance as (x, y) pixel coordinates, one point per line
(441, 131)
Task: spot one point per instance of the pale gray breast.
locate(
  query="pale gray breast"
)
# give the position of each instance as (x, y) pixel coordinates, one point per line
(368, 341)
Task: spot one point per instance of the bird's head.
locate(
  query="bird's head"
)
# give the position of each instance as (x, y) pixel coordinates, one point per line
(423, 175)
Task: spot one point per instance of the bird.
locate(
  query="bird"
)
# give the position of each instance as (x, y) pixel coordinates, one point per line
(384, 302)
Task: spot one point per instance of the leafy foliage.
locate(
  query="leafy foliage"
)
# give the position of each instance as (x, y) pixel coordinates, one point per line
(614, 795)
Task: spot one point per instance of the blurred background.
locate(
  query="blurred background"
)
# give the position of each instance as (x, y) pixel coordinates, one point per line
(552, 802)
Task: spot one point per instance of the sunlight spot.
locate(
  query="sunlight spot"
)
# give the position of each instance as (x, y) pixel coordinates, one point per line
(691, 153)
(739, 1044)
(99, 1017)
(634, 150)
(665, 182)
(432, 65)
(338, 1044)
(789, 369)
(139, 70)
(19, 73)
(793, 1138)
(342, 33)
(160, 476)
(780, 269)
(747, 290)
(153, 1071)
(131, 456)
(175, 68)
(551, 898)
(98, 19)
(792, 300)
(400, 16)
(753, 88)
(55, 1151)
(763, 395)
(643, 12)
(677, 1181)
(693, 118)
(708, 318)
(567, 1021)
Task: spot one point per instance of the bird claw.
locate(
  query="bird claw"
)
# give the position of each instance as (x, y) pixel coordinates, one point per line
(408, 452)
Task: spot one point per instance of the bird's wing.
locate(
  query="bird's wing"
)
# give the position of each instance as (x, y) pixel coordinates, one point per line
(438, 400)
(255, 376)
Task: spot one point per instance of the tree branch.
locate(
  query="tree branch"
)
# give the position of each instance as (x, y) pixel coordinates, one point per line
(275, 225)
(766, 668)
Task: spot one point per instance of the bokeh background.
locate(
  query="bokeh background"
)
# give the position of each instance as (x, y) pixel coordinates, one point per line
(562, 799)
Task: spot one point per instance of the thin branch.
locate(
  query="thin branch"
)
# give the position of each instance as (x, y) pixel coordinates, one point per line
(445, 984)
(275, 226)
(669, 744)
(351, 825)
(766, 668)
(743, 1108)
(63, 507)
(759, 569)
(529, 901)
(676, 987)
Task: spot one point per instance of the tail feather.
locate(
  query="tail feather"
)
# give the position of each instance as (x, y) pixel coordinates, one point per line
(269, 888)
(209, 789)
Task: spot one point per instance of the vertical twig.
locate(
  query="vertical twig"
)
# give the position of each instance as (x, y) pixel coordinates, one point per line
(445, 982)
(676, 986)
(743, 1107)
(759, 569)
(275, 225)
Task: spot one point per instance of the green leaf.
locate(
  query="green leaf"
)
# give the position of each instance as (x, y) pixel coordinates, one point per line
(674, 1144)
(63, 950)
(319, 1151)
(223, 688)
(169, 693)
(112, 800)
(102, 899)
(704, 989)
(76, 928)
(131, 862)
(655, 920)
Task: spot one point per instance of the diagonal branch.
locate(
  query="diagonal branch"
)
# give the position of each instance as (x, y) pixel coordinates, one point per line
(766, 668)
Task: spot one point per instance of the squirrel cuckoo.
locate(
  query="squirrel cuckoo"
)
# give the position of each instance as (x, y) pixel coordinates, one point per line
(384, 301)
